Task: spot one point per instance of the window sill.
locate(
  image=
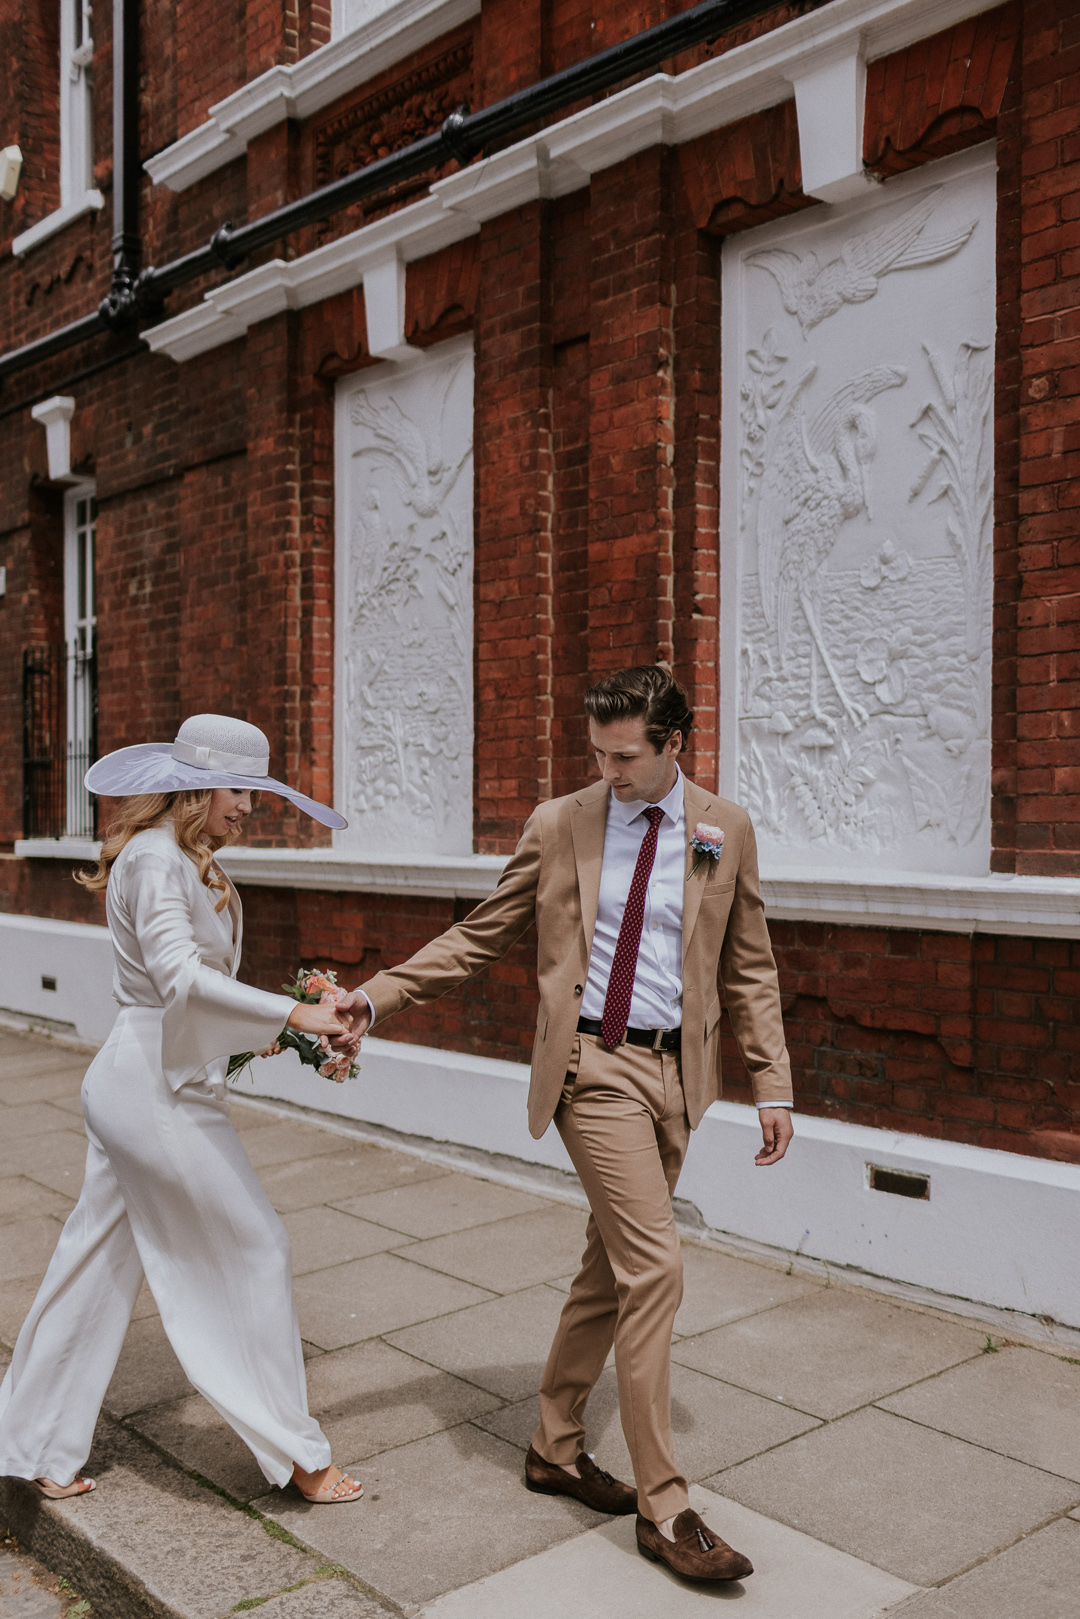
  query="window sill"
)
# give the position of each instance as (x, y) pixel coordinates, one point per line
(89, 202)
(57, 849)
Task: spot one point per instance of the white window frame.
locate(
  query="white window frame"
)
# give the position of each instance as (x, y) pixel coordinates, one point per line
(80, 630)
(77, 192)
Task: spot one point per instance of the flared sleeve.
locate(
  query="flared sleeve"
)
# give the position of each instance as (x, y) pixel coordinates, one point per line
(208, 1014)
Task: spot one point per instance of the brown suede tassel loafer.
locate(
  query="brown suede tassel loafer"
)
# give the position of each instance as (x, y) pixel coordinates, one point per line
(696, 1552)
(595, 1487)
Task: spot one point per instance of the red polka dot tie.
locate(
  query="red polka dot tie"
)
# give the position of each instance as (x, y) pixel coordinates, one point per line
(620, 988)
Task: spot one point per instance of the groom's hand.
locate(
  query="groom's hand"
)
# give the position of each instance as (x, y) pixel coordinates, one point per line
(356, 1009)
(776, 1131)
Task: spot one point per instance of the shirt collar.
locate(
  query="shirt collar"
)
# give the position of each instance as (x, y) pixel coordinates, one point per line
(672, 805)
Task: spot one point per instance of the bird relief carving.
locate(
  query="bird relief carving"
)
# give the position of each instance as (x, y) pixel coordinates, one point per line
(865, 531)
(407, 662)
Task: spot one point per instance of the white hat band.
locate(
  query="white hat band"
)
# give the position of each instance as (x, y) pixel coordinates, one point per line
(238, 764)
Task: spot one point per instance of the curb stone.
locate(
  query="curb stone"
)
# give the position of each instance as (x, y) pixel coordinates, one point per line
(151, 1543)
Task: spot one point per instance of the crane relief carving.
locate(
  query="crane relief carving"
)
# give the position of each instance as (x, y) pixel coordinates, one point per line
(864, 530)
(407, 659)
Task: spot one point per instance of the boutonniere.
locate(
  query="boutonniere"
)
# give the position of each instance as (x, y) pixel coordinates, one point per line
(707, 843)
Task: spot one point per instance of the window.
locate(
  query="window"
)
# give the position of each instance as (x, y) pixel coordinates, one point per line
(80, 519)
(77, 192)
(76, 101)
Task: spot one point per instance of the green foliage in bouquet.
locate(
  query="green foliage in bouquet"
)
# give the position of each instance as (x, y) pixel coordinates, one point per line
(311, 988)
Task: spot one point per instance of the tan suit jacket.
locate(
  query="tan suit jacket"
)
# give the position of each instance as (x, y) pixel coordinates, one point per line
(553, 879)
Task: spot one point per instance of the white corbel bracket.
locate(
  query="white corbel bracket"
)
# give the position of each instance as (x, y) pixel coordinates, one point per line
(55, 416)
(384, 304)
(830, 101)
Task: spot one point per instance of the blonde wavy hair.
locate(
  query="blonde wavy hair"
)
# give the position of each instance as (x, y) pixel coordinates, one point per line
(188, 813)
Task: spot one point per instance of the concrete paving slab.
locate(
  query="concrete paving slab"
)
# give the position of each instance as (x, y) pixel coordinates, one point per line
(830, 1351)
(436, 1207)
(439, 1513)
(371, 1398)
(22, 1594)
(1038, 1578)
(57, 1159)
(280, 1141)
(144, 1304)
(323, 1600)
(20, 1198)
(36, 1079)
(71, 1105)
(920, 1504)
(31, 1119)
(368, 1297)
(28, 1246)
(15, 1301)
(197, 1438)
(321, 1237)
(511, 1254)
(601, 1574)
(147, 1371)
(1020, 1402)
(714, 1425)
(500, 1346)
(339, 1175)
(718, 1289)
(150, 1543)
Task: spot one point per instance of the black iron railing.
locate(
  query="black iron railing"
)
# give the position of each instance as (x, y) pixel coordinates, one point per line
(59, 741)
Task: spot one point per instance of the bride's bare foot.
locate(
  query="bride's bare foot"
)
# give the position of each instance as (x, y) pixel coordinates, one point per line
(60, 1492)
(328, 1486)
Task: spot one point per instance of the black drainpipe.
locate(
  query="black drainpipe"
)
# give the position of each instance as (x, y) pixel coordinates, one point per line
(138, 294)
(116, 307)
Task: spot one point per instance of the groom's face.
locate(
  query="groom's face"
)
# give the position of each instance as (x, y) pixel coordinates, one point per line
(630, 764)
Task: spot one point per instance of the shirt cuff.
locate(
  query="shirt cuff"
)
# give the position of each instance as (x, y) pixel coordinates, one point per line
(370, 1008)
(774, 1104)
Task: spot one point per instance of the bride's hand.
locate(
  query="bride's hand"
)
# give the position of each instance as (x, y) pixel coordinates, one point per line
(355, 1007)
(321, 1019)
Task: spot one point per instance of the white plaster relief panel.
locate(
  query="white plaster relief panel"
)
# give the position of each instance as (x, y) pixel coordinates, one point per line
(857, 525)
(404, 605)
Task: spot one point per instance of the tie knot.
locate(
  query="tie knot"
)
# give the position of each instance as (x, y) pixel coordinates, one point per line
(654, 815)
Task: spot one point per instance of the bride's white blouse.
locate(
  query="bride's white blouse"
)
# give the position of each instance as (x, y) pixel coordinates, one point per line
(174, 951)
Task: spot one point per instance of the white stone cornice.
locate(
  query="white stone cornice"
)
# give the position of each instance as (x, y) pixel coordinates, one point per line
(1033, 907)
(746, 79)
(227, 311)
(305, 87)
(660, 110)
(467, 876)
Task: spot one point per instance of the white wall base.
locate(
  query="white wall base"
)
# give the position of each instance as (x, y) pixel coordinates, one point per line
(994, 1231)
(78, 955)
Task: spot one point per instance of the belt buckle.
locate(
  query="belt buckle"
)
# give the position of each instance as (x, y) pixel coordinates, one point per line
(658, 1040)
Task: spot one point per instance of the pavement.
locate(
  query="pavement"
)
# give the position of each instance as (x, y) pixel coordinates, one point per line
(871, 1454)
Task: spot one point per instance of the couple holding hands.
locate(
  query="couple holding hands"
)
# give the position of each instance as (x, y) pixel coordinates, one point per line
(643, 888)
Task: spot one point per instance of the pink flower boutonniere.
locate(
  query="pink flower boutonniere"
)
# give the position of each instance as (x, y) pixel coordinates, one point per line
(707, 843)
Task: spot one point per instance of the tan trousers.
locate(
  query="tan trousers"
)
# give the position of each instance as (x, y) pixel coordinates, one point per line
(622, 1118)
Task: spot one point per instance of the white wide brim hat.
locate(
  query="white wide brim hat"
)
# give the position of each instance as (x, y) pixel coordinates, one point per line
(211, 750)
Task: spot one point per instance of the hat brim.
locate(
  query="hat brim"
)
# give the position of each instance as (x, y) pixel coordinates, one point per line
(149, 767)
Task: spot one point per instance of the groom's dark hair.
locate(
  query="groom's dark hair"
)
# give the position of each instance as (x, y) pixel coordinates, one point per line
(649, 689)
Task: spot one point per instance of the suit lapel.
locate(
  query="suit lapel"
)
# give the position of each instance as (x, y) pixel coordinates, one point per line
(588, 824)
(699, 806)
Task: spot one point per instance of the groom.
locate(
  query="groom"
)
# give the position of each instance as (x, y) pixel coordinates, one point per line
(636, 930)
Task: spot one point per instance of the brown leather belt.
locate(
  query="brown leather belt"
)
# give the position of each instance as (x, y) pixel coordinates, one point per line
(655, 1039)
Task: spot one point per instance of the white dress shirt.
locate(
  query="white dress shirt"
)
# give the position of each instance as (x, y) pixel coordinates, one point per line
(657, 997)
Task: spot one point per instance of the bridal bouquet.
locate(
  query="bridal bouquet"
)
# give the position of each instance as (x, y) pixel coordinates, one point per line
(314, 988)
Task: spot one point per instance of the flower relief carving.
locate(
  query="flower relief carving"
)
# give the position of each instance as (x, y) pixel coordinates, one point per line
(865, 528)
(407, 653)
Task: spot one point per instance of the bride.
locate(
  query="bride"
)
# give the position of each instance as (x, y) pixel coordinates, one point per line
(169, 1191)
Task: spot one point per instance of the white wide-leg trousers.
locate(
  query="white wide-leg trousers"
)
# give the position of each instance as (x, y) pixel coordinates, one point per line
(169, 1193)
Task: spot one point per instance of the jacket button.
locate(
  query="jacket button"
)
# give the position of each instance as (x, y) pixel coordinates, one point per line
(577, 989)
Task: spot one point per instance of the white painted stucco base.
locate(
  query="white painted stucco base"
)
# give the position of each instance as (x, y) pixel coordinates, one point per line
(999, 1229)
